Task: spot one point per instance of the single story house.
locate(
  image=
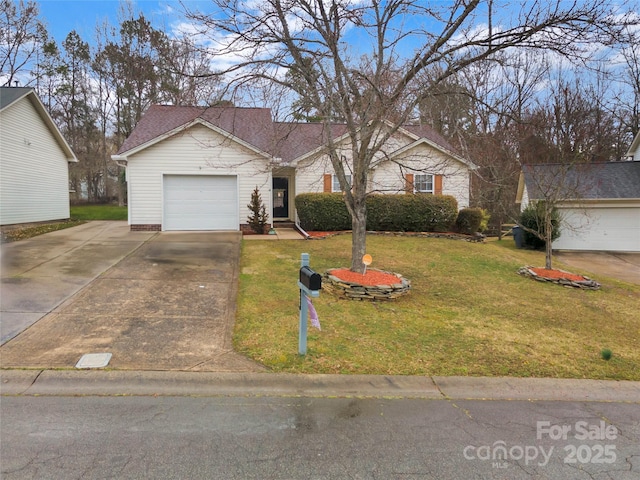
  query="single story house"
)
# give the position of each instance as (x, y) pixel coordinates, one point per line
(194, 168)
(34, 160)
(599, 203)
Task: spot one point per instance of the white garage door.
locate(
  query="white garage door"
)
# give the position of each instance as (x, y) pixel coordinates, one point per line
(200, 202)
(601, 229)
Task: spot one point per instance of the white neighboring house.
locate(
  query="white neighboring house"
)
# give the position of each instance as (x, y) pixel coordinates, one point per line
(601, 208)
(634, 149)
(194, 168)
(34, 160)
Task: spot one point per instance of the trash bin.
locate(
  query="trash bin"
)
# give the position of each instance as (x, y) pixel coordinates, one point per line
(518, 236)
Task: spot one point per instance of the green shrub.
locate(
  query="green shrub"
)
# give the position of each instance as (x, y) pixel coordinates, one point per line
(437, 211)
(322, 212)
(469, 220)
(396, 213)
(532, 218)
(484, 224)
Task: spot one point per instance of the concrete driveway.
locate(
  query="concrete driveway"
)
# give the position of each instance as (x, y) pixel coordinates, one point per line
(621, 266)
(155, 301)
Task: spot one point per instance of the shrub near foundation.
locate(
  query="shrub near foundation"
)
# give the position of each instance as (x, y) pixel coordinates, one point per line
(469, 220)
(389, 213)
(323, 212)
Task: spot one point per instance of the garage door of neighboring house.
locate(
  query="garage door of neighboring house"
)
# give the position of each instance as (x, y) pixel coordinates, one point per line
(200, 202)
(601, 229)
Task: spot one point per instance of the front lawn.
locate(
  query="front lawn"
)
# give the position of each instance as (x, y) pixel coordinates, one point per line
(98, 212)
(468, 313)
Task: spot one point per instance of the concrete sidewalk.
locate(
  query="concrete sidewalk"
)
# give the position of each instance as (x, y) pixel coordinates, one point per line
(118, 383)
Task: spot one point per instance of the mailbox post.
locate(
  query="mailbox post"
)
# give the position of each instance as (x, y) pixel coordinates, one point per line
(309, 284)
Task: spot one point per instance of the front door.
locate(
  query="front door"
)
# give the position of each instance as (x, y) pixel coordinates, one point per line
(280, 197)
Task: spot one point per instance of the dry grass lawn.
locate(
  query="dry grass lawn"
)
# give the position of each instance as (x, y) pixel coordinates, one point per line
(468, 313)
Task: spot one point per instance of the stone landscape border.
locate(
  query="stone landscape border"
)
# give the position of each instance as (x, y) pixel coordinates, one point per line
(478, 238)
(356, 291)
(586, 284)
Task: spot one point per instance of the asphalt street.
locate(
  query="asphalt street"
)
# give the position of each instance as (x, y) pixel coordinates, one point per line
(316, 438)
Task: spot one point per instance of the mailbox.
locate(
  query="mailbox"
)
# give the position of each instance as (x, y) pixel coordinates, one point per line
(310, 279)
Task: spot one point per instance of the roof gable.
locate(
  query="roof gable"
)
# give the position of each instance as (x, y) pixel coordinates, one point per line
(12, 95)
(588, 181)
(289, 142)
(251, 125)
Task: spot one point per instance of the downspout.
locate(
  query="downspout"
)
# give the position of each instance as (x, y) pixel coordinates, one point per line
(299, 228)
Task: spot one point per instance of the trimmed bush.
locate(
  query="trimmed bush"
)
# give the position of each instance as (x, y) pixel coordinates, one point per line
(533, 217)
(394, 213)
(469, 220)
(324, 212)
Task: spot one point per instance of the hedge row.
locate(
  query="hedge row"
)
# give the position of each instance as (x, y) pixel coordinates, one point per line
(396, 213)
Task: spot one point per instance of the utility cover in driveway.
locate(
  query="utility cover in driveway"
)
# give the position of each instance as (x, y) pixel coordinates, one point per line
(94, 360)
(200, 202)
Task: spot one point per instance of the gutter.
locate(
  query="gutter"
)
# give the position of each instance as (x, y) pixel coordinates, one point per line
(121, 160)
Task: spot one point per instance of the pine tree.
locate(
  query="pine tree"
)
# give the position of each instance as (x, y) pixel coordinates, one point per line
(259, 217)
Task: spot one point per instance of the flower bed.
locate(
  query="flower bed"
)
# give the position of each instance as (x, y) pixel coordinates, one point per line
(373, 285)
(559, 277)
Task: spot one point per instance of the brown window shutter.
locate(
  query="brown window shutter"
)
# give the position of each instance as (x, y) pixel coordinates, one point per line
(437, 184)
(408, 183)
(328, 183)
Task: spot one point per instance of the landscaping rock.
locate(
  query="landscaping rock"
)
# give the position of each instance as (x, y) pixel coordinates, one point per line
(356, 291)
(586, 284)
(477, 238)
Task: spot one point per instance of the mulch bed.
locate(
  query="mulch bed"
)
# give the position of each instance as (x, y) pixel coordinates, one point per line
(370, 278)
(373, 285)
(560, 277)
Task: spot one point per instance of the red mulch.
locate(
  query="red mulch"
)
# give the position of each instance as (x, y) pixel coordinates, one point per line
(370, 278)
(543, 272)
(322, 234)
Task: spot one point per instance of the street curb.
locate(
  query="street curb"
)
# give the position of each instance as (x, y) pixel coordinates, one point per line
(168, 383)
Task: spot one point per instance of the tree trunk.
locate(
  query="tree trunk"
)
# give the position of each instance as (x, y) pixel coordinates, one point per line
(359, 236)
(548, 233)
(120, 188)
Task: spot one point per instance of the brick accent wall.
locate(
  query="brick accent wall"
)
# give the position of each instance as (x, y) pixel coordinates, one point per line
(245, 228)
(146, 228)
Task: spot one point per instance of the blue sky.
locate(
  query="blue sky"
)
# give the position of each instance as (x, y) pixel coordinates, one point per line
(63, 16)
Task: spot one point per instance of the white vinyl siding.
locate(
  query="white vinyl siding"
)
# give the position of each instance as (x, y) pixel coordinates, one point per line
(389, 176)
(34, 173)
(197, 151)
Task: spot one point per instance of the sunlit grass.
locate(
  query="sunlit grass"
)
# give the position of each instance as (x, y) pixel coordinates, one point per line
(468, 313)
(98, 212)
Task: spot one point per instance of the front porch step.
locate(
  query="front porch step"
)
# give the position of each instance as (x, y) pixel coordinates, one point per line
(283, 224)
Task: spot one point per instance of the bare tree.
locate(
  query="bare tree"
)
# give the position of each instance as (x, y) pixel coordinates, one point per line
(549, 187)
(312, 38)
(21, 37)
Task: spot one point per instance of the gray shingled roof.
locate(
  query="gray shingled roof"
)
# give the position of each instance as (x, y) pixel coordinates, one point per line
(8, 95)
(590, 181)
(254, 126)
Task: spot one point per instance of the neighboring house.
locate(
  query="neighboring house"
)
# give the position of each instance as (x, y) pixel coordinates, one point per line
(598, 202)
(34, 160)
(634, 149)
(194, 168)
